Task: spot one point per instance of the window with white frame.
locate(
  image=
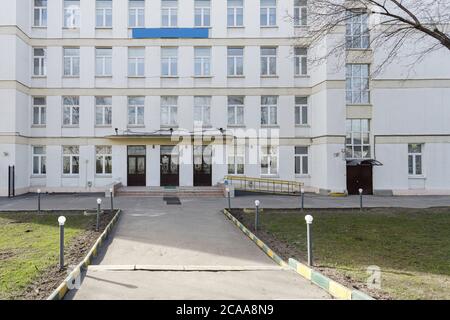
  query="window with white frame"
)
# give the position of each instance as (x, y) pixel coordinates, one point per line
(103, 111)
(136, 13)
(169, 61)
(357, 83)
(169, 111)
(71, 160)
(301, 160)
(40, 13)
(415, 159)
(103, 14)
(236, 158)
(357, 30)
(301, 110)
(236, 110)
(71, 111)
(169, 13)
(268, 13)
(39, 160)
(103, 160)
(202, 61)
(300, 13)
(136, 62)
(235, 61)
(269, 110)
(202, 111)
(202, 13)
(235, 13)
(136, 111)
(357, 139)
(71, 62)
(103, 62)
(268, 61)
(300, 61)
(39, 62)
(39, 111)
(71, 13)
(269, 160)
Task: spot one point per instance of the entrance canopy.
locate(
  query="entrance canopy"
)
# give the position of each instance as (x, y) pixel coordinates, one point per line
(362, 162)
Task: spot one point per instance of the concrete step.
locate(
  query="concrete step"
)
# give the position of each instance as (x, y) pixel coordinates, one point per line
(176, 192)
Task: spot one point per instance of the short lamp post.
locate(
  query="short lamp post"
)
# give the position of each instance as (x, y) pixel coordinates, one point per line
(99, 202)
(61, 222)
(302, 192)
(39, 200)
(309, 220)
(256, 215)
(229, 197)
(112, 199)
(360, 198)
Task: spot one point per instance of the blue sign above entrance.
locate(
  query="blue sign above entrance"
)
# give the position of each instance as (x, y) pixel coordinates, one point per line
(148, 33)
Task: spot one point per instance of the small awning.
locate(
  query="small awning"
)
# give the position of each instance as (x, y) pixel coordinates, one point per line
(363, 162)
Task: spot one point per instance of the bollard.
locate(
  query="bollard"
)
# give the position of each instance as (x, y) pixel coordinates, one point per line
(112, 200)
(302, 191)
(309, 220)
(99, 202)
(39, 200)
(61, 221)
(229, 197)
(360, 199)
(256, 215)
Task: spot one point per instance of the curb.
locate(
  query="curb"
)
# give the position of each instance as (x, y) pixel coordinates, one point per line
(334, 288)
(60, 292)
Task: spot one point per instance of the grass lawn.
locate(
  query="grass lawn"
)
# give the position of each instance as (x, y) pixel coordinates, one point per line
(411, 246)
(29, 244)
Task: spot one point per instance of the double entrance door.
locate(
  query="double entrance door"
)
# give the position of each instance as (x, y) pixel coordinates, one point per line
(202, 165)
(169, 166)
(136, 167)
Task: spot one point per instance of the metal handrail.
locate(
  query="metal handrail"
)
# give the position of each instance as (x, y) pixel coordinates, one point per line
(264, 185)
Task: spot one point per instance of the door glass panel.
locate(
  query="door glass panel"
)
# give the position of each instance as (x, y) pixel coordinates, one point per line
(131, 165)
(136, 150)
(141, 165)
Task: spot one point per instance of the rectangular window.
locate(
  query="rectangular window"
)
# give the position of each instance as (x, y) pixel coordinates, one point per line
(202, 12)
(71, 111)
(169, 13)
(103, 111)
(202, 111)
(415, 159)
(357, 83)
(357, 139)
(357, 30)
(269, 110)
(235, 61)
(300, 13)
(202, 61)
(301, 160)
(236, 158)
(103, 62)
(40, 13)
(169, 61)
(269, 160)
(136, 13)
(71, 13)
(268, 13)
(300, 61)
(39, 111)
(39, 62)
(103, 160)
(268, 61)
(39, 160)
(169, 111)
(71, 62)
(136, 62)
(301, 110)
(136, 111)
(103, 14)
(235, 13)
(71, 160)
(236, 110)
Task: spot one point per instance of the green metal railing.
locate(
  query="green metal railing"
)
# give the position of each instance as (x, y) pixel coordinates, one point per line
(266, 185)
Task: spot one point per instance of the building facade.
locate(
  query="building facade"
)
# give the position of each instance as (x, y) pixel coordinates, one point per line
(183, 93)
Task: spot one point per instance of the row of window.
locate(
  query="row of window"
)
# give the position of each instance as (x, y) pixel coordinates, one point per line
(169, 61)
(169, 13)
(168, 111)
(103, 163)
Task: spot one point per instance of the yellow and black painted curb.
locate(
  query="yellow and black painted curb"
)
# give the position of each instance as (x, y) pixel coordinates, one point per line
(69, 282)
(335, 289)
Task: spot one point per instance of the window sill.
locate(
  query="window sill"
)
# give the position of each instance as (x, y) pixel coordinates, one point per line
(37, 126)
(203, 27)
(38, 176)
(168, 126)
(236, 77)
(135, 126)
(70, 176)
(269, 27)
(417, 177)
(235, 27)
(270, 126)
(302, 126)
(303, 176)
(38, 77)
(269, 76)
(103, 28)
(71, 77)
(39, 27)
(359, 104)
(104, 77)
(302, 76)
(77, 28)
(68, 126)
(236, 125)
(103, 126)
(301, 26)
(105, 176)
(169, 77)
(202, 77)
(269, 176)
(136, 77)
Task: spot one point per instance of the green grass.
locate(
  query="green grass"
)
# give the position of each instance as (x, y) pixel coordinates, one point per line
(411, 246)
(29, 244)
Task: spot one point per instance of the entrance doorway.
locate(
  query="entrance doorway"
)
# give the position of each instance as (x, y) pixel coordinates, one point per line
(360, 175)
(202, 165)
(169, 166)
(136, 166)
